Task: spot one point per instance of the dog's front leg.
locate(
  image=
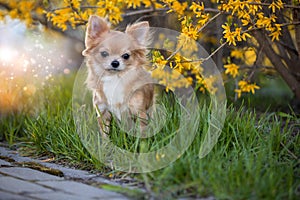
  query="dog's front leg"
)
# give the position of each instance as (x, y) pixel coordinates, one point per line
(104, 121)
(138, 109)
(103, 115)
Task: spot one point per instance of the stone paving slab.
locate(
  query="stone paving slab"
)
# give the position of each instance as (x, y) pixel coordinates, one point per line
(55, 196)
(28, 174)
(13, 185)
(68, 172)
(10, 196)
(81, 189)
(4, 163)
(20, 182)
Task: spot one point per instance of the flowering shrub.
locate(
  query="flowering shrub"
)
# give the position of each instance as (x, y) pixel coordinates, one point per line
(259, 34)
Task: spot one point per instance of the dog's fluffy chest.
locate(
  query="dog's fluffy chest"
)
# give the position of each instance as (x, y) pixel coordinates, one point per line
(114, 91)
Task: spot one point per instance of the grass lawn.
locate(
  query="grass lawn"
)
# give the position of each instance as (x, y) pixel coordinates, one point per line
(256, 157)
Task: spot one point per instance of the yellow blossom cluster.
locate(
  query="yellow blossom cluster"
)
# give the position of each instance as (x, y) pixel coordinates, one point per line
(252, 16)
(246, 87)
(248, 57)
(233, 36)
(187, 39)
(23, 10)
(184, 68)
(110, 9)
(199, 12)
(176, 6)
(278, 4)
(181, 72)
(192, 18)
(232, 69)
(68, 13)
(76, 12)
(246, 16)
(72, 13)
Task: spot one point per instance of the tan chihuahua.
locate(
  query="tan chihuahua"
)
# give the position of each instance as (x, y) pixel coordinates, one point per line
(116, 73)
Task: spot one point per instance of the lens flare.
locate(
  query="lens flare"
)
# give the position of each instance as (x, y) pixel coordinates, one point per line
(7, 54)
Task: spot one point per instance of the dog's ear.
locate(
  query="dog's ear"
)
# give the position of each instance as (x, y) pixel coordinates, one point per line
(139, 31)
(96, 27)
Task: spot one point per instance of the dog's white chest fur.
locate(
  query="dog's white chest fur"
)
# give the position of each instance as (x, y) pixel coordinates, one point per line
(114, 91)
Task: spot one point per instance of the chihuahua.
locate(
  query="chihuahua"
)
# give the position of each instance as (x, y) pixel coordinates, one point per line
(117, 76)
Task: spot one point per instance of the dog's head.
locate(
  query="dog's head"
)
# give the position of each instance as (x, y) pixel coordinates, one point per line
(115, 51)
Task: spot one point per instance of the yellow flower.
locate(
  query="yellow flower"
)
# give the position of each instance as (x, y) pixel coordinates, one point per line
(276, 32)
(232, 69)
(237, 33)
(203, 19)
(253, 87)
(244, 22)
(197, 8)
(178, 65)
(208, 83)
(230, 38)
(133, 3)
(242, 83)
(228, 35)
(187, 43)
(111, 10)
(276, 5)
(177, 7)
(226, 28)
(13, 13)
(239, 92)
(250, 56)
(75, 4)
(237, 53)
(245, 86)
(158, 60)
(190, 31)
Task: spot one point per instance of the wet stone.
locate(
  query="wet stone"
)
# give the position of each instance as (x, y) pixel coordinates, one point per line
(28, 174)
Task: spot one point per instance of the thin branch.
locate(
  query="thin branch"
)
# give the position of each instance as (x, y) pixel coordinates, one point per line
(290, 23)
(268, 4)
(136, 12)
(207, 58)
(212, 54)
(209, 21)
(255, 64)
(215, 51)
(139, 12)
(175, 52)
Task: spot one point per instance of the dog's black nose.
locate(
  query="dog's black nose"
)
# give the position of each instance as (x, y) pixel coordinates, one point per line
(115, 64)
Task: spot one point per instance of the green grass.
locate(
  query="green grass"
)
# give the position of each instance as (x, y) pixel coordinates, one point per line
(256, 157)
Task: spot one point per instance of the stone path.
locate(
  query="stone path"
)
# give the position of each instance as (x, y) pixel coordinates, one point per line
(18, 181)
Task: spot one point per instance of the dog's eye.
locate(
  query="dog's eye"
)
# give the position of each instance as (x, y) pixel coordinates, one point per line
(104, 54)
(125, 56)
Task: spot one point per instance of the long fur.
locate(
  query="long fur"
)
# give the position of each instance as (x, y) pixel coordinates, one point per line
(123, 88)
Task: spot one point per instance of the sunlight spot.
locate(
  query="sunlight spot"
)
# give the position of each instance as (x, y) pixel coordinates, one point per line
(26, 63)
(7, 54)
(33, 61)
(66, 71)
(29, 89)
